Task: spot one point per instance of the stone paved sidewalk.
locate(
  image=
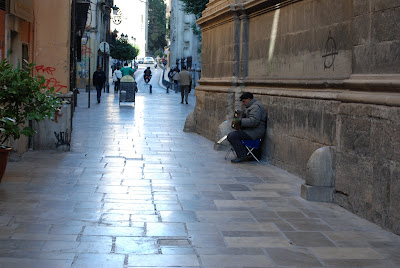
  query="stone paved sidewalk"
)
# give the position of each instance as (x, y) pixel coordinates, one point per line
(137, 191)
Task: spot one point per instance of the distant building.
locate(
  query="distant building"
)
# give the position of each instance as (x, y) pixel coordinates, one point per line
(184, 44)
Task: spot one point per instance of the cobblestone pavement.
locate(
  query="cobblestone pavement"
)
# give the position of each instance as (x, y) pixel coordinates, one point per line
(137, 191)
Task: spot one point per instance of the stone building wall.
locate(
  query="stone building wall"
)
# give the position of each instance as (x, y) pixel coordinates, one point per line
(327, 72)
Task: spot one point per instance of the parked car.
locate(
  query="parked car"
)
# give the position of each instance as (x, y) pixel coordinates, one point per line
(148, 60)
(140, 61)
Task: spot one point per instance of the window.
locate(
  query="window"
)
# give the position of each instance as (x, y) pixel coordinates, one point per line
(3, 5)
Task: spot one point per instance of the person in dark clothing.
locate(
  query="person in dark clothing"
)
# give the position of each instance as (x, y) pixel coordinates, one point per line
(175, 76)
(147, 71)
(99, 78)
(252, 122)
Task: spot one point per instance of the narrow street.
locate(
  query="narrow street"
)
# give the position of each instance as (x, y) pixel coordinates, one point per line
(137, 191)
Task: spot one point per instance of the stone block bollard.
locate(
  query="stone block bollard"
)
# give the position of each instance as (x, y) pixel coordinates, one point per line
(319, 183)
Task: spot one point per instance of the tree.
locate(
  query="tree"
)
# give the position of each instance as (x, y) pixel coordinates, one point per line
(195, 7)
(123, 50)
(157, 26)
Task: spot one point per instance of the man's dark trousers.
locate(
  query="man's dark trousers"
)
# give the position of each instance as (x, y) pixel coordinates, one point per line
(235, 138)
(185, 92)
(116, 85)
(98, 89)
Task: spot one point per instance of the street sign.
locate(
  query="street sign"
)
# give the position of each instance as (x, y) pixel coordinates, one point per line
(104, 47)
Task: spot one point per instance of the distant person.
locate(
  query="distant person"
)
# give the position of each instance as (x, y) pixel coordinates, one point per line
(174, 77)
(147, 71)
(185, 80)
(117, 78)
(126, 70)
(99, 78)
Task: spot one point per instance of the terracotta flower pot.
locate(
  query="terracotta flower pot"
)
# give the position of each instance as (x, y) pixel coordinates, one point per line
(4, 155)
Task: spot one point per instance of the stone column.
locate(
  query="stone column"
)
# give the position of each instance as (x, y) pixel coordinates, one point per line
(244, 57)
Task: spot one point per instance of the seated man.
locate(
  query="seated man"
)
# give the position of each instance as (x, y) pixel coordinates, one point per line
(252, 124)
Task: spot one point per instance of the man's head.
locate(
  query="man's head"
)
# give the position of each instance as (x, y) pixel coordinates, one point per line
(183, 67)
(99, 68)
(125, 64)
(148, 68)
(246, 98)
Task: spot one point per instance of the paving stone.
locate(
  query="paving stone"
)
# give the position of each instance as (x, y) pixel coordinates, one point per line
(204, 241)
(346, 253)
(293, 257)
(178, 216)
(34, 263)
(99, 260)
(234, 187)
(309, 225)
(135, 245)
(239, 204)
(257, 242)
(309, 239)
(113, 231)
(235, 261)
(247, 180)
(162, 260)
(165, 229)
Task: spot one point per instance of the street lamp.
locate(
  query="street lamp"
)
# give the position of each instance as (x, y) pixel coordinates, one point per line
(115, 10)
(124, 37)
(117, 15)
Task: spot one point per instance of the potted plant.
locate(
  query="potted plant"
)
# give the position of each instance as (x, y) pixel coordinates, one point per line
(23, 97)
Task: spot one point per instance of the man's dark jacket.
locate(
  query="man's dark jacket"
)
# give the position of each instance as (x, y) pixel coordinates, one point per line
(254, 120)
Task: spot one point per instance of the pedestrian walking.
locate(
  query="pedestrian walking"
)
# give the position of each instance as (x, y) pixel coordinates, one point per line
(99, 78)
(185, 80)
(117, 79)
(174, 74)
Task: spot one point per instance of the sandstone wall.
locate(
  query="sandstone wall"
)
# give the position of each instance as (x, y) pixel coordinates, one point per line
(327, 72)
(368, 162)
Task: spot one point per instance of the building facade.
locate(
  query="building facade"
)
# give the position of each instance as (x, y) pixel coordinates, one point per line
(95, 43)
(327, 72)
(184, 44)
(48, 33)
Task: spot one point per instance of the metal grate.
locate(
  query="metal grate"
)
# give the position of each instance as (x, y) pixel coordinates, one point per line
(3, 5)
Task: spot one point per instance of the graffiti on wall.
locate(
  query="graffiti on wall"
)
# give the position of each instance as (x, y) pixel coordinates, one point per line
(62, 138)
(51, 82)
(83, 65)
(86, 51)
(330, 53)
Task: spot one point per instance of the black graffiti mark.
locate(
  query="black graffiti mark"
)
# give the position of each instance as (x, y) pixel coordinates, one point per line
(62, 139)
(330, 53)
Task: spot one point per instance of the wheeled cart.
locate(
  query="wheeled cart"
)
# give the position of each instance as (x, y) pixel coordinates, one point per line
(127, 89)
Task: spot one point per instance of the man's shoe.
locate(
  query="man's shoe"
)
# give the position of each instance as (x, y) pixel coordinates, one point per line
(98, 101)
(182, 102)
(187, 103)
(239, 159)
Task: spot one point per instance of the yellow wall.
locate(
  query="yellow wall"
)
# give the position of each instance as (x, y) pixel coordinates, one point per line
(52, 25)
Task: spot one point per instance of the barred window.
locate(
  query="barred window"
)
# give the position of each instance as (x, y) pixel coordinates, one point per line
(3, 5)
